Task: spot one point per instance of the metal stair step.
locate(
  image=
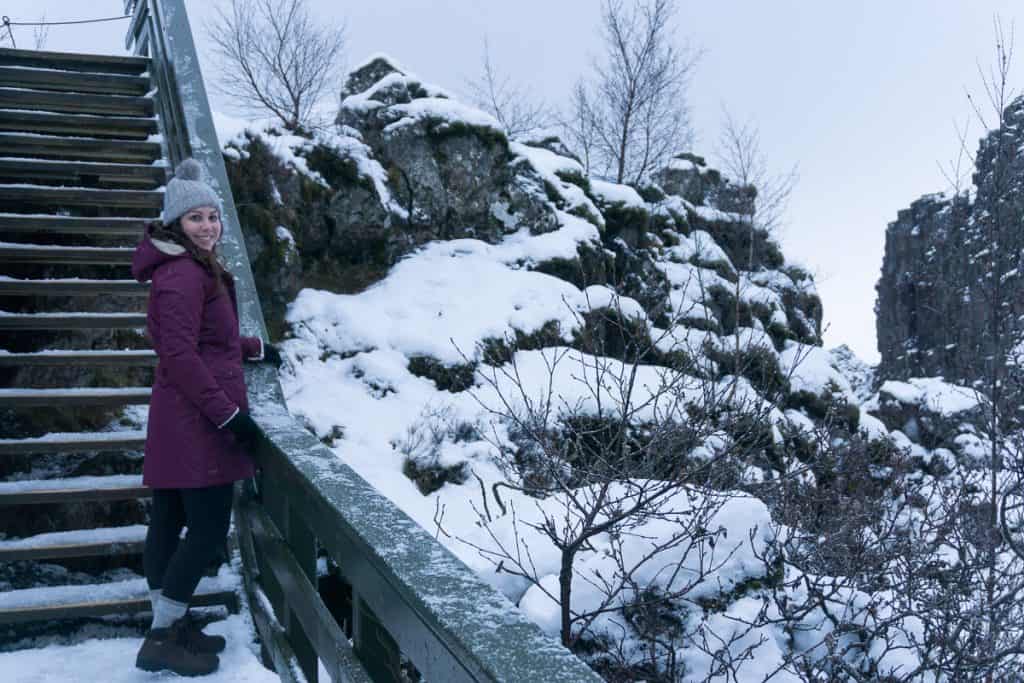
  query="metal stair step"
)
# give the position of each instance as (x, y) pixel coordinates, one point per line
(136, 176)
(58, 398)
(73, 81)
(78, 149)
(75, 442)
(71, 321)
(42, 195)
(85, 125)
(93, 600)
(76, 103)
(72, 225)
(12, 252)
(71, 287)
(125, 540)
(72, 61)
(73, 490)
(90, 358)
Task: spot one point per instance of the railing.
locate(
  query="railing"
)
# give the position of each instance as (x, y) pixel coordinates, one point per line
(400, 598)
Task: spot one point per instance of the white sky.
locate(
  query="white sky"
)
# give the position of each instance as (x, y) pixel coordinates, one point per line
(861, 95)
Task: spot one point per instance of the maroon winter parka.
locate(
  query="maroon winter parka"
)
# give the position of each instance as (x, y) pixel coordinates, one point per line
(199, 383)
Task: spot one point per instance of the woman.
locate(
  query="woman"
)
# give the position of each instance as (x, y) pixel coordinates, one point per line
(199, 429)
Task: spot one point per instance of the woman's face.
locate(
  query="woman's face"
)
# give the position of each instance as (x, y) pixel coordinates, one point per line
(202, 226)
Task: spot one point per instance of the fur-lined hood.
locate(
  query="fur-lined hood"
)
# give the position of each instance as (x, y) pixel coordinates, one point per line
(153, 252)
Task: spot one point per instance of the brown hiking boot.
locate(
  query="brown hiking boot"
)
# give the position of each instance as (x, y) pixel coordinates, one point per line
(201, 642)
(168, 649)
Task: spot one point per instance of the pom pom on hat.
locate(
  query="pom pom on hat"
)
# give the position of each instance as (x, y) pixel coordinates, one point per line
(186, 191)
(189, 169)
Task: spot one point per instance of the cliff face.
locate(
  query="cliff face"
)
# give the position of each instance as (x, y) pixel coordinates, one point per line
(950, 290)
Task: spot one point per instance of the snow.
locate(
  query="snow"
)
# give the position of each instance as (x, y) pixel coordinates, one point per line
(112, 660)
(613, 193)
(934, 394)
(811, 369)
(114, 481)
(549, 165)
(124, 534)
(441, 109)
(432, 303)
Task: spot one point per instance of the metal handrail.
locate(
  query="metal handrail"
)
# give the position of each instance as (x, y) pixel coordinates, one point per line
(410, 596)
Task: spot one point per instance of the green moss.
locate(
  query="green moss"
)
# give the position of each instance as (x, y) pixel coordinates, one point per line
(337, 170)
(605, 332)
(630, 222)
(757, 364)
(454, 378)
(830, 406)
(439, 130)
(575, 178)
(430, 478)
(773, 578)
(500, 350)
(651, 193)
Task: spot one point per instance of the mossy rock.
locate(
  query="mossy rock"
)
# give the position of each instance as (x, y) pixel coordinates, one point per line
(337, 170)
(453, 378)
(759, 365)
(498, 351)
(430, 478)
(590, 267)
(575, 178)
(606, 332)
(830, 406)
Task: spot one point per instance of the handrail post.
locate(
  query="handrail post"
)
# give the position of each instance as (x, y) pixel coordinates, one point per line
(373, 645)
(302, 543)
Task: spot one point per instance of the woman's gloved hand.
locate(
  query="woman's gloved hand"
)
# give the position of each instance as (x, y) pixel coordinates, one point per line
(245, 429)
(272, 355)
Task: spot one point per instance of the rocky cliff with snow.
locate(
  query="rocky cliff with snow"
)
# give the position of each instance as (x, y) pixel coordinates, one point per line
(475, 325)
(950, 260)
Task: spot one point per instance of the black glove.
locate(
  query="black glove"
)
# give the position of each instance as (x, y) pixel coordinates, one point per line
(272, 355)
(245, 429)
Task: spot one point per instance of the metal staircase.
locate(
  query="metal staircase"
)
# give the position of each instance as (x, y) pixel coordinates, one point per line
(79, 178)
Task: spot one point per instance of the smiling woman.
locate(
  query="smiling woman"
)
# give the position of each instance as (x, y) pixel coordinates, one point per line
(199, 435)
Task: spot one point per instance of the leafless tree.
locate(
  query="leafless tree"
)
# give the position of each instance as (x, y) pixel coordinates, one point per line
(624, 456)
(632, 112)
(745, 163)
(276, 57)
(517, 111)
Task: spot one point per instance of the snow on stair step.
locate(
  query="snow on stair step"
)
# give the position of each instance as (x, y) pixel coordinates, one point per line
(17, 252)
(75, 442)
(39, 195)
(147, 176)
(77, 148)
(77, 82)
(73, 490)
(73, 61)
(78, 543)
(71, 357)
(73, 225)
(55, 602)
(76, 103)
(86, 125)
(10, 286)
(21, 398)
(71, 321)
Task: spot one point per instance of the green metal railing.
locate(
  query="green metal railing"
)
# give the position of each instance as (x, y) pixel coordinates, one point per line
(399, 599)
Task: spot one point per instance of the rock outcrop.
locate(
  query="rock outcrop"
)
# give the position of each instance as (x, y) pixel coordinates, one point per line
(951, 262)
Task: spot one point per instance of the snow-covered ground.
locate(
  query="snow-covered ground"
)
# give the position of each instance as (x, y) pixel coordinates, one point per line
(112, 660)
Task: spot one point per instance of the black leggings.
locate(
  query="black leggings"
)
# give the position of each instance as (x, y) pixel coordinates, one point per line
(176, 567)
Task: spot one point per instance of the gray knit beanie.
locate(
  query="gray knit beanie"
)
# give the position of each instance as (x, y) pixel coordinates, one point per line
(186, 191)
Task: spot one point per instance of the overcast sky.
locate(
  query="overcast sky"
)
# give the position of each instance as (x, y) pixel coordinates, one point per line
(861, 95)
